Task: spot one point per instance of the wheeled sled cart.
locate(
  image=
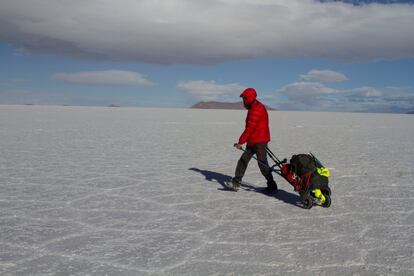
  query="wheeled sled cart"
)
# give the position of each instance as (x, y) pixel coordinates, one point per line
(308, 177)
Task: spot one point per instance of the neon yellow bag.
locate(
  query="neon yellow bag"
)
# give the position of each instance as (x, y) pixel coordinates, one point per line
(323, 171)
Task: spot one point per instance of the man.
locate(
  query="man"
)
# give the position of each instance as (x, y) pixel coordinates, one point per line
(256, 135)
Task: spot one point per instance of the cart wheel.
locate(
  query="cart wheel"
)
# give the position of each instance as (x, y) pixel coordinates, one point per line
(326, 191)
(307, 201)
(327, 202)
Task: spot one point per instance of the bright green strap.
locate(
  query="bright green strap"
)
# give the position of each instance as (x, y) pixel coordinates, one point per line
(323, 171)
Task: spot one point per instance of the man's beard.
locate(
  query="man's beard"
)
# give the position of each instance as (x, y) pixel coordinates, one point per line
(246, 105)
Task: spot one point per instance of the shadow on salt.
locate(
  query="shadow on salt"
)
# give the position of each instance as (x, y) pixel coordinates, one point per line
(220, 178)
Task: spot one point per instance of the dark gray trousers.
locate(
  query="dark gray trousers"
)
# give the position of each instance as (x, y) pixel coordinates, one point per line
(260, 150)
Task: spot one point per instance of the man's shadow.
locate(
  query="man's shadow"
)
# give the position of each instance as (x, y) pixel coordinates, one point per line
(220, 178)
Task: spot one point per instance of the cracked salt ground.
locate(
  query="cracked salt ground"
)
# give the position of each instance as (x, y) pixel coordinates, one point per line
(101, 191)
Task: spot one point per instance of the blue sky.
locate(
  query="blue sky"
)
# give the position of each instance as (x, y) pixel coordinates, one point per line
(298, 54)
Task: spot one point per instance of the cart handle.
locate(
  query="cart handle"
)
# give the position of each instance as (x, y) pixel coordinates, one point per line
(271, 168)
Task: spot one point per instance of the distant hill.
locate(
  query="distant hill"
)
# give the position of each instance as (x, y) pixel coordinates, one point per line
(222, 105)
(366, 2)
(411, 112)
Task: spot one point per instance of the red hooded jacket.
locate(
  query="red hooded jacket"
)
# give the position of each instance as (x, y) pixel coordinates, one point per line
(257, 121)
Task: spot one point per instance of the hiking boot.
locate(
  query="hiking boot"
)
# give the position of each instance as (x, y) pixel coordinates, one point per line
(271, 187)
(269, 191)
(234, 184)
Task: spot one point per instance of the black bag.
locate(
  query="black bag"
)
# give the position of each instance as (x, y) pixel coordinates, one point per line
(303, 163)
(318, 181)
(305, 166)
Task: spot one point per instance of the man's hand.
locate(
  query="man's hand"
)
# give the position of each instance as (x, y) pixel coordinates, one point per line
(238, 146)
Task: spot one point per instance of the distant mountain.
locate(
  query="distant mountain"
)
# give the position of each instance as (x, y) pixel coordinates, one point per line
(365, 2)
(411, 112)
(222, 105)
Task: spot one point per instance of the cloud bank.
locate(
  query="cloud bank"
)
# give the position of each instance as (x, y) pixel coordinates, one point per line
(317, 96)
(324, 76)
(106, 77)
(210, 90)
(206, 32)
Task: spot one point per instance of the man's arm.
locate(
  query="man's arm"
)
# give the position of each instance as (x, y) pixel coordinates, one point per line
(253, 119)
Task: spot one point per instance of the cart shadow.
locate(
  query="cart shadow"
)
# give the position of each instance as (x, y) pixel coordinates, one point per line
(220, 178)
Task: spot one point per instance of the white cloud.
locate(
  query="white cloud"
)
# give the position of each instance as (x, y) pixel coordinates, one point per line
(306, 89)
(363, 92)
(106, 77)
(307, 95)
(324, 76)
(20, 52)
(201, 32)
(319, 97)
(210, 90)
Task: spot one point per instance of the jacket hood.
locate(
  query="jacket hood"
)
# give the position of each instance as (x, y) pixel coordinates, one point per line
(249, 96)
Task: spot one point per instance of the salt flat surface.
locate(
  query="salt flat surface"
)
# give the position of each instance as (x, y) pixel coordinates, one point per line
(130, 191)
